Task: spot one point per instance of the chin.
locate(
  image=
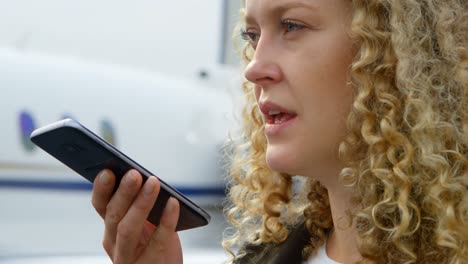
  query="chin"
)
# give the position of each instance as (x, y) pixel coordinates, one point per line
(283, 161)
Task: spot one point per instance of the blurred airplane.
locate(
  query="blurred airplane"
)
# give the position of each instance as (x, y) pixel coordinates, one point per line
(175, 128)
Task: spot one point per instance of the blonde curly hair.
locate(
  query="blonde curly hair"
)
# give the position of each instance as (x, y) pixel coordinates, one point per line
(405, 151)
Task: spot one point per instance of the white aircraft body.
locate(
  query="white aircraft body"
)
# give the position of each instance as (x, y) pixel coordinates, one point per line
(174, 128)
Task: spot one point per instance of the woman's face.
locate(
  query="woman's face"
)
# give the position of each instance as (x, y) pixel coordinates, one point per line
(300, 70)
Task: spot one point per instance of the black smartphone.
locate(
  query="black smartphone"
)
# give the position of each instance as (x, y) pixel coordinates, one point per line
(87, 154)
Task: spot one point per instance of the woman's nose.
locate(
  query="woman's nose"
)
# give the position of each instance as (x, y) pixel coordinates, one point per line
(263, 69)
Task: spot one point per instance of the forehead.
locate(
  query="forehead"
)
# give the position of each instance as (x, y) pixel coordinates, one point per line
(332, 9)
(271, 5)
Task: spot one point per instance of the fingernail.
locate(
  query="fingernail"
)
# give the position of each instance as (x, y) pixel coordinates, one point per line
(130, 179)
(148, 188)
(104, 177)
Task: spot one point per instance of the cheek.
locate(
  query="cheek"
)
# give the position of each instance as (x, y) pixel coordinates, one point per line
(323, 79)
(326, 100)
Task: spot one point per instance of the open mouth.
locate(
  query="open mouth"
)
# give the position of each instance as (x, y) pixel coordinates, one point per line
(278, 117)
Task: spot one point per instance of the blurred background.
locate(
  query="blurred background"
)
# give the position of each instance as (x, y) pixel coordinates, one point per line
(160, 80)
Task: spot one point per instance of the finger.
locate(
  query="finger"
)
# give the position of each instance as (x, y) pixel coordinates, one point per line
(119, 204)
(164, 243)
(103, 186)
(130, 229)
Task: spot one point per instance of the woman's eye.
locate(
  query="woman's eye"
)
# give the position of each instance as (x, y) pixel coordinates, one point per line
(252, 37)
(290, 26)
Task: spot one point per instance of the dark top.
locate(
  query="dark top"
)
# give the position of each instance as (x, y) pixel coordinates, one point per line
(290, 251)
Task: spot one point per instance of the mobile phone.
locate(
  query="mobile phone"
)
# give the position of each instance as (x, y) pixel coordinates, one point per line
(87, 154)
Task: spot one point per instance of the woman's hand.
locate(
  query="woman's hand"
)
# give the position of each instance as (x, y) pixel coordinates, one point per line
(128, 237)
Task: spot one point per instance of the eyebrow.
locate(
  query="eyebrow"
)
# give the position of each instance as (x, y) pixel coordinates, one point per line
(281, 8)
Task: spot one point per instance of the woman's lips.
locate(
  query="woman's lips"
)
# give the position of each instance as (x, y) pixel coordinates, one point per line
(277, 118)
(276, 126)
(269, 108)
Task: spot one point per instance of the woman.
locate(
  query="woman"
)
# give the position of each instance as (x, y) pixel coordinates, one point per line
(367, 101)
